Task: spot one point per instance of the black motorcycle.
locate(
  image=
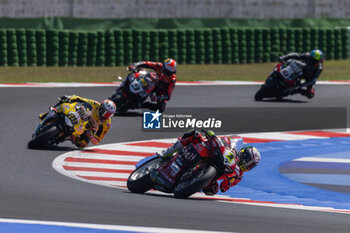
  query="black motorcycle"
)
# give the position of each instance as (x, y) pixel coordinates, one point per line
(284, 80)
(134, 90)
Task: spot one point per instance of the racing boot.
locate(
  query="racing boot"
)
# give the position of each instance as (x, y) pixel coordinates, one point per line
(150, 106)
(166, 154)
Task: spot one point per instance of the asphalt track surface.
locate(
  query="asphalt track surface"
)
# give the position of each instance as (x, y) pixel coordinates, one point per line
(32, 189)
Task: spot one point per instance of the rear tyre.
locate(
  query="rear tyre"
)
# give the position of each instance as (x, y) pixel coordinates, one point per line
(194, 181)
(139, 180)
(48, 134)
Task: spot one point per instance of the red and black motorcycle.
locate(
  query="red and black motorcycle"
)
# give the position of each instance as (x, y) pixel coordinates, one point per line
(284, 80)
(187, 172)
(134, 90)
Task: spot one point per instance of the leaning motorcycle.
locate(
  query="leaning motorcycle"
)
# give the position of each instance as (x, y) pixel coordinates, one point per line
(187, 172)
(284, 80)
(63, 123)
(134, 90)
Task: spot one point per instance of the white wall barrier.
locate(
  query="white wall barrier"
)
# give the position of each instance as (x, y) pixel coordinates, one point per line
(176, 8)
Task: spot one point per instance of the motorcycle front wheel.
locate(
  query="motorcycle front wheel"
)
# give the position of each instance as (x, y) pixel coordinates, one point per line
(139, 180)
(262, 93)
(268, 90)
(120, 103)
(194, 181)
(47, 134)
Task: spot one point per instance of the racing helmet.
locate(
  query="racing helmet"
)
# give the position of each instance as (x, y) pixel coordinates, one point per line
(107, 109)
(249, 157)
(169, 67)
(316, 56)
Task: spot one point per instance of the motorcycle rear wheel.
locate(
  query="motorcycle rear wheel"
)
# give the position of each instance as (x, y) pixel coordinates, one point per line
(139, 180)
(44, 137)
(195, 183)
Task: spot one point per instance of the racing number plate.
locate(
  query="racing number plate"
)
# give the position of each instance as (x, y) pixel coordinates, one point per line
(135, 87)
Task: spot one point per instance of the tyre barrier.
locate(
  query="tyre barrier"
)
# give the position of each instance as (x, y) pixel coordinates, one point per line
(37, 47)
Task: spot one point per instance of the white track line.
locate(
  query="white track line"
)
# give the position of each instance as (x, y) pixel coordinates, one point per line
(104, 226)
(326, 160)
(179, 83)
(280, 136)
(93, 171)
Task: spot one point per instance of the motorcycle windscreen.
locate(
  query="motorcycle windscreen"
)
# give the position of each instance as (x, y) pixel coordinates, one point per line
(145, 160)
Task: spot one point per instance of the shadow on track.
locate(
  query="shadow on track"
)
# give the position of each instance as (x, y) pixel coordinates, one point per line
(283, 101)
(129, 114)
(55, 148)
(161, 195)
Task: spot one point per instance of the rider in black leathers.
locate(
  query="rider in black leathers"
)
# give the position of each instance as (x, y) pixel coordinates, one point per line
(313, 69)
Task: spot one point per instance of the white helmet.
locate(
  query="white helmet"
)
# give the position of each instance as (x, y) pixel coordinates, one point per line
(107, 109)
(249, 157)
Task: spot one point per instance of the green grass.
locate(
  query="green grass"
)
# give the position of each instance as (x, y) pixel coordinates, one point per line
(333, 70)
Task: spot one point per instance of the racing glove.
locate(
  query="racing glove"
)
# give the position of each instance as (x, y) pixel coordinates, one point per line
(225, 184)
(280, 59)
(92, 138)
(211, 189)
(64, 98)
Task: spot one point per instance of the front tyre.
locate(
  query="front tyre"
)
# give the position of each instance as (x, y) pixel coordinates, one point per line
(194, 181)
(269, 90)
(139, 180)
(120, 102)
(47, 135)
(262, 93)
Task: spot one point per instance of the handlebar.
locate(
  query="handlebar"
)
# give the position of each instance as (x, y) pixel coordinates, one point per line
(132, 70)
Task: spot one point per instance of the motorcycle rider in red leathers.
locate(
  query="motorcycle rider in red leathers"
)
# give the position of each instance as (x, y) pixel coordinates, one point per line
(237, 159)
(165, 84)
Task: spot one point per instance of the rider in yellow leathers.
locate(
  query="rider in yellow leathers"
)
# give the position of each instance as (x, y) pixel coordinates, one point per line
(99, 120)
(78, 114)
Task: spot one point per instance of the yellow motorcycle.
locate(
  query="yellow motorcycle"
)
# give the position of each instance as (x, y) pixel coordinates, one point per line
(64, 122)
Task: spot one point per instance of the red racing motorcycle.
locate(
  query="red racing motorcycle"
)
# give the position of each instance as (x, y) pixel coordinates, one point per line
(187, 172)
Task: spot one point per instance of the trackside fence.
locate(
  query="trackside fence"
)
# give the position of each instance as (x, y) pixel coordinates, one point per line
(30, 47)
